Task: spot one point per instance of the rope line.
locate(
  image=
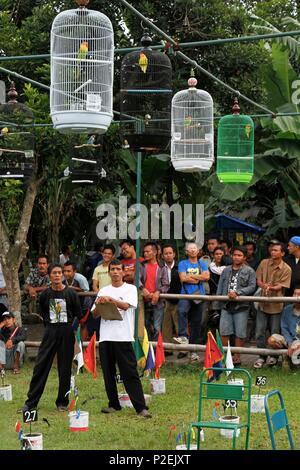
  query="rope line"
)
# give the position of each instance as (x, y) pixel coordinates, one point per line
(193, 62)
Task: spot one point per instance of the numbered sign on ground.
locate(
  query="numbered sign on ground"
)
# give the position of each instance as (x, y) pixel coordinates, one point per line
(30, 416)
(261, 380)
(231, 404)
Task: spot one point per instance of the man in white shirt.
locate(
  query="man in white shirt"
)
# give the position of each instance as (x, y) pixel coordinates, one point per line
(115, 345)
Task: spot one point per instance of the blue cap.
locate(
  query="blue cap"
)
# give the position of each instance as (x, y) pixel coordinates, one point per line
(295, 241)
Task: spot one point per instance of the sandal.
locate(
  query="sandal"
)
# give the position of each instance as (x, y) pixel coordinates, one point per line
(236, 361)
(16, 371)
(259, 363)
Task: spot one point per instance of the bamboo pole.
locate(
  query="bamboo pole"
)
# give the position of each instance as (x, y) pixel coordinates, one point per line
(220, 298)
(195, 348)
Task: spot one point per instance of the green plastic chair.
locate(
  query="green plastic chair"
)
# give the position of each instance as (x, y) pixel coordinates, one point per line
(223, 391)
(277, 420)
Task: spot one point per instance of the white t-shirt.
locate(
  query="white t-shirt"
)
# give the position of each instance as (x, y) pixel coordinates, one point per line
(115, 330)
(63, 259)
(2, 280)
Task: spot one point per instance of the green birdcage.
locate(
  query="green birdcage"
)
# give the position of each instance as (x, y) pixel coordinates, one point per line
(235, 160)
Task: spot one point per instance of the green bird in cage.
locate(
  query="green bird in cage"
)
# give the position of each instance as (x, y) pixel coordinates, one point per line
(187, 121)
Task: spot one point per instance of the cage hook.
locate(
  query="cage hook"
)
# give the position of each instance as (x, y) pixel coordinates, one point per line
(144, 28)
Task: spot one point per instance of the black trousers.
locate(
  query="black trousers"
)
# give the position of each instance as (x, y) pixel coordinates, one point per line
(58, 339)
(122, 353)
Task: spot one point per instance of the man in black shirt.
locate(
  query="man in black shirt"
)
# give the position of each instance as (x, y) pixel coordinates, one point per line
(170, 322)
(293, 261)
(251, 259)
(59, 306)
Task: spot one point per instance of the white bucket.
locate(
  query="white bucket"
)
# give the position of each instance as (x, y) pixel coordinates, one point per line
(157, 386)
(6, 393)
(33, 441)
(257, 404)
(192, 446)
(235, 381)
(184, 447)
(79, 423)
(232, 420)
(296, 357)
(125, 401)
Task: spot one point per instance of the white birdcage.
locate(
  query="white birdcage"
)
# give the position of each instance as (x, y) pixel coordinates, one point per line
(192, 147)
(82, 55)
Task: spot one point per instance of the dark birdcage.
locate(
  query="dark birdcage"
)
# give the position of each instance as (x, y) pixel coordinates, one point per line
(146, 81)
(16, 137)
(235, 160)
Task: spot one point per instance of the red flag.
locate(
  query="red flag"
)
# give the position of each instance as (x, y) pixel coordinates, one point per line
(85, 318)
(72, 404)
(18, 426)
(159, 356)
(213, 356)
(172, 429)
(89, 356)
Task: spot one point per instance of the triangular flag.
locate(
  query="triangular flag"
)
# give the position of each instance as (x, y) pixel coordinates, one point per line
(78, 355)
(89, 356)
(142, 350)
(85, 318)
(150, 360)
(18, 426)
(139, 354)
(145, 343)
(229, 362)
(212, 358)
(220, 345)
(172, 429)
(159, 356)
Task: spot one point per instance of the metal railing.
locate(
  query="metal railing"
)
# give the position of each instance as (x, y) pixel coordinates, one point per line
(200, 347)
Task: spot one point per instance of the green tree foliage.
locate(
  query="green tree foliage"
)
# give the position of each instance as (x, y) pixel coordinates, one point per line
(25, 29)
(273, 193)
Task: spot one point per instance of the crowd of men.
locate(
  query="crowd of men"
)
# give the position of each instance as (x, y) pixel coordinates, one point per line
(218, 269)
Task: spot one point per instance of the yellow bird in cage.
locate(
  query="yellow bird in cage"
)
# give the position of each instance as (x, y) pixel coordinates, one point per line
(4, 131)
(81, 56)
(83, 50)
(143, 62)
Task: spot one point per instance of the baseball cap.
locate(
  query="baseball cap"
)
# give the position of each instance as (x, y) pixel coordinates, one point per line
(295, 240)
(273, 242)
(8, 315)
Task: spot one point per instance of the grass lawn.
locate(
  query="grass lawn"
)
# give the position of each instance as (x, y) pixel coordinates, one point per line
(124, 430)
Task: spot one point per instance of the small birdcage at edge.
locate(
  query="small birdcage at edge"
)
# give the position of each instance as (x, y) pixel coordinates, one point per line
(235, 160)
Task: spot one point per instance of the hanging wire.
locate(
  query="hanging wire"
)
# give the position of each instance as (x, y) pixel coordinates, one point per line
(182, 45)
(181, 54)
(195, 65)
(17, 75)
(193, 62)
(46, 87)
